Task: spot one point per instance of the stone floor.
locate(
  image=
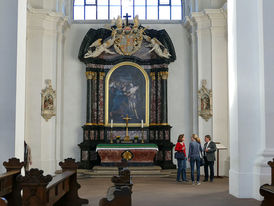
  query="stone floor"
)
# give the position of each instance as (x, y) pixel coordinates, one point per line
(159, 191)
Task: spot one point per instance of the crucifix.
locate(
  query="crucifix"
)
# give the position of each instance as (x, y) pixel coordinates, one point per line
(126, 119)
(126, 16)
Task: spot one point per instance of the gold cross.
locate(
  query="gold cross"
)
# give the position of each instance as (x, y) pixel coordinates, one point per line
(126, 119)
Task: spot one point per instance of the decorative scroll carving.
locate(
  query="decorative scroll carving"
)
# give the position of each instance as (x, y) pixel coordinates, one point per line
(48, 99)
(91, 75)
(68, 164)
(152, 75)
(34, 177)
(164, 75)
(126, 39)
(102, 75)
(13, 164)
(157, 47)
(205, 102)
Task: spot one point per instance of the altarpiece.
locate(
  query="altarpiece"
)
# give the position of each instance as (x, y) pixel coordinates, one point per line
(127, 72)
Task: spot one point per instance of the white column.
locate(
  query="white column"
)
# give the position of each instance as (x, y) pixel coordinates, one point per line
(20, 79)
(12, 72)
(250, 111)
(191, 27)
(202, 23)
(44, 61)
(219, 83)
(266, 32)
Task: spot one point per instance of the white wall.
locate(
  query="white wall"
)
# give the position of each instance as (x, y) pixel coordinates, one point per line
(179, 79)
(8, 42)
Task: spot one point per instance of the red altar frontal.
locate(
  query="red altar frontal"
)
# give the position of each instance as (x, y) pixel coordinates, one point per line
(138, 154)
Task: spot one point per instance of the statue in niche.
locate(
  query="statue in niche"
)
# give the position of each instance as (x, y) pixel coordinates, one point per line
(48, 96)
(205, 102)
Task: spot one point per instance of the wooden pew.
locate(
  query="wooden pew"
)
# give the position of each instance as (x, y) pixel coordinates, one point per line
(266, 190)
(3, 202)
(62, 189)
(9, 189)
(120, 193)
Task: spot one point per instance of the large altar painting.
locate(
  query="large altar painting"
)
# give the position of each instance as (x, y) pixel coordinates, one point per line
(127, 94)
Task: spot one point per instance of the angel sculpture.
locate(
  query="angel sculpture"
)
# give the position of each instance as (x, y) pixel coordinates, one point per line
(157, 47)
(100, 48)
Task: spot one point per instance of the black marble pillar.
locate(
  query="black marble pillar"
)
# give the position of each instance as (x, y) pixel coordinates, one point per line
(164, 76)
(90, 96)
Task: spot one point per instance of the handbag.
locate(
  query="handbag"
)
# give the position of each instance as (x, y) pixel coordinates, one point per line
(202, 162)
(179, 155)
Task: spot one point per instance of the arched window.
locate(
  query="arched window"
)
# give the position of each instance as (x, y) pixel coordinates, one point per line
(146, 9)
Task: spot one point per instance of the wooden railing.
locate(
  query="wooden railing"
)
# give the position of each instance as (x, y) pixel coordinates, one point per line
(266, 190)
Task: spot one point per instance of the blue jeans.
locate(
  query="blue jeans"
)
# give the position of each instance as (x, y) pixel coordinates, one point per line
(181, 169)
(192, 162)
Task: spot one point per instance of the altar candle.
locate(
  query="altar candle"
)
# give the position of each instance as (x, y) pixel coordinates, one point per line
(111, 123)
(142, 124)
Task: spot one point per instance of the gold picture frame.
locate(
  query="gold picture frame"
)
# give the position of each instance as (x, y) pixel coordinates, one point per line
(107, 96)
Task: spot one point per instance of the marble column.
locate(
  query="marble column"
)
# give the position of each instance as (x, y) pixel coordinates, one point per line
(90, 96)
(163, 117)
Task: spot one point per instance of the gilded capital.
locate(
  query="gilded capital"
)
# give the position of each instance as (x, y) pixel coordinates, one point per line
(164, 75)
(91, 75)
(102, 75)
(152, 75)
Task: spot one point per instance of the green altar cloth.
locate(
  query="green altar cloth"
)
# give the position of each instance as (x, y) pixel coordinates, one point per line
(126, 146)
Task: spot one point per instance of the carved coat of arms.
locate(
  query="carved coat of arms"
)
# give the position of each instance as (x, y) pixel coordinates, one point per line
(126, 40)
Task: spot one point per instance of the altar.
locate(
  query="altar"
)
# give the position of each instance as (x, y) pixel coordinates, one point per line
(126, 102)
(136, 154)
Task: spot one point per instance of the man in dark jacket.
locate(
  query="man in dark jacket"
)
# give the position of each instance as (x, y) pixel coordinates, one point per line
(209, 156)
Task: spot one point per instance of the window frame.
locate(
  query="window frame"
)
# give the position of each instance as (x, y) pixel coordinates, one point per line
(142, 21)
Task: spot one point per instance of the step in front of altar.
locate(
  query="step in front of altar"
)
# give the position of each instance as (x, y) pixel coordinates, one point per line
(148, 171)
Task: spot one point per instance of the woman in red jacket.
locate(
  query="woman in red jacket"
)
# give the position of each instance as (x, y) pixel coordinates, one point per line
(181, 148)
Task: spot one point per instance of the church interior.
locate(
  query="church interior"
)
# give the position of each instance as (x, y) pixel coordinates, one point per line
(96, 88)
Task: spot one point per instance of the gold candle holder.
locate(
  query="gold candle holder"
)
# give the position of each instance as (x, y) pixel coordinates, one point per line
(111, 136)
(142, 141)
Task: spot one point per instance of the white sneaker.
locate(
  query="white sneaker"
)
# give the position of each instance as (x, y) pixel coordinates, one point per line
(198, 183)
(193, 183)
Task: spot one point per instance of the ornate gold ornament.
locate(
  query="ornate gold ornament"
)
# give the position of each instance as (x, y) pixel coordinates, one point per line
(127, 155)
(91, 75)
(126, 40)
(164, 75)
(205, 102)
(48, 100)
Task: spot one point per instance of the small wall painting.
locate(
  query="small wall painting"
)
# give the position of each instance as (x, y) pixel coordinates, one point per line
(205, 102)
(48, 97)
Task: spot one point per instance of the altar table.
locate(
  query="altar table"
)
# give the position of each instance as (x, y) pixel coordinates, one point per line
(111, 154)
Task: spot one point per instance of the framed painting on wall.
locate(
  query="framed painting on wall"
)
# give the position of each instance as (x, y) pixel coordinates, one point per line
(127, 93)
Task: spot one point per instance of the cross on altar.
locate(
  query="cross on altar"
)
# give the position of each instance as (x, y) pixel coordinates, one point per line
(126, 119)
(126, 16)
